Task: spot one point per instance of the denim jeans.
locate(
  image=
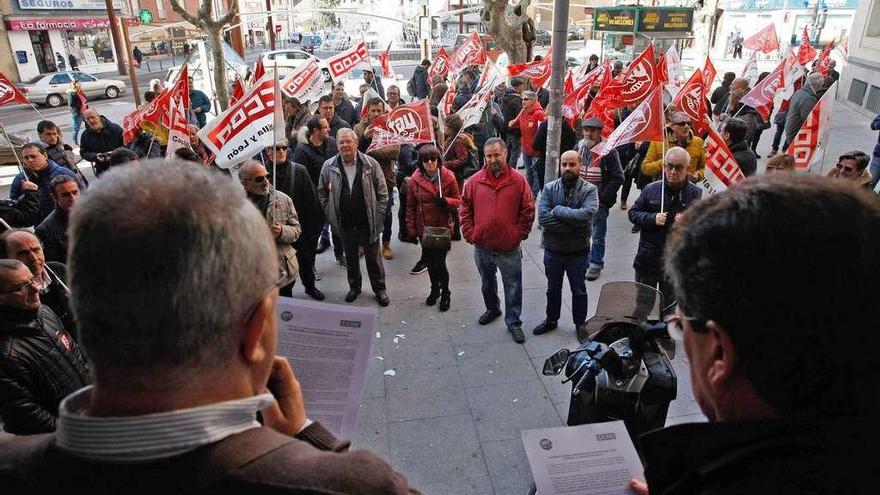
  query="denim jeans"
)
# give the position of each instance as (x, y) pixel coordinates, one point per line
(600, 228)
(874, 168)
(510, 264)
(574, 266)
(531, 176)
(77, 124)
(777, 137)
(513, 151)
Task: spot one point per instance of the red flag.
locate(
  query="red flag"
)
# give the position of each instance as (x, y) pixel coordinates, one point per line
(259, 71)
(237, 91)
(439, 67)
(82, 97)
(178, 131)
(709, 73)
(406, 124)
(813, 134)
(824, 65)
(573, 103)
(156, 112)
(722, 169)
(761, 96)
(635, 84)
(342, 64)
(806, 52)
(662, 70)
(468, 53)
(538, 72)
(691, 101)
(568, 84)
(385, 62)
(764, 40)
(9, 93)
(645, 123)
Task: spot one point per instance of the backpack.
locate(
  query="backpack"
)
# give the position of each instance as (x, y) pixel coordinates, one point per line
(471, 166)
(411, 86)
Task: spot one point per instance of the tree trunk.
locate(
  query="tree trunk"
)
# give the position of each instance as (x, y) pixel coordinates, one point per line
(219, 67)
(508, 38)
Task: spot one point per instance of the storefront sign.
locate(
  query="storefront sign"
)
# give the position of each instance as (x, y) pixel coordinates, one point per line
(61, 24)
(67, 4)
(655, 20)
(614, 19)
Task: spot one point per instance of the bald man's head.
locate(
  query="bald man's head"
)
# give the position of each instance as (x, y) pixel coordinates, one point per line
(570, 167)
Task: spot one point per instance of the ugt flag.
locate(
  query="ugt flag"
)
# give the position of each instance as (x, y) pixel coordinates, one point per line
(692, 102)
(9, 93)
(764, 40)
(468, 53)
(246, 127)
(406, 124)
(439, 67)
(538, 72)
(761, 96)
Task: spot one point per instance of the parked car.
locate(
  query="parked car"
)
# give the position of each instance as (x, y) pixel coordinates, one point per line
(288, 61)
(309, 43)
(51, 89)
(542, 37)
(355, 78)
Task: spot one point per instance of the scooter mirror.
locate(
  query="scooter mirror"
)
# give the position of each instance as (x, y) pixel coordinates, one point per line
(554, 364)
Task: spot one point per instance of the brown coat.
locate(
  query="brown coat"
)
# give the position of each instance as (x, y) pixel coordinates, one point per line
(256, 461)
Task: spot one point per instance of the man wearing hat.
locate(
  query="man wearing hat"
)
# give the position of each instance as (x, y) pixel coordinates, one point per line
(527, 122)
(678, 133)
(374, 82)
(607, 175)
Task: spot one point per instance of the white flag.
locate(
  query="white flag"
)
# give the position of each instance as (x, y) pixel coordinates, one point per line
(792, 72)
(246, 127)
(343, 63)
(750, 71)
(674, 69)
(178, 132)
(306, 83)
(722, 170)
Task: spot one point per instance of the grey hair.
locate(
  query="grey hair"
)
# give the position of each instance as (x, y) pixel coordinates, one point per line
(815, 81)
(345, 130)
(493, 141)
(678, 155)
(162, 277)
(246, 166)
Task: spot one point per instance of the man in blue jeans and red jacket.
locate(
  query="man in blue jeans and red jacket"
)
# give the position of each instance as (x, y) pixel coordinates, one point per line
(565, 214)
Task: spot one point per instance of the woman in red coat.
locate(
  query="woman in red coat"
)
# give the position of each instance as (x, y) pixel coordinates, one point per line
(432, 197)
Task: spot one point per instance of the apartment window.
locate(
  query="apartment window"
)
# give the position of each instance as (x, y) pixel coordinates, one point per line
(872, 28)
(160, 9)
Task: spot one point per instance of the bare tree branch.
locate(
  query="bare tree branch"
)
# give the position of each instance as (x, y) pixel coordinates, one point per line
(186, 15)
(233, 11)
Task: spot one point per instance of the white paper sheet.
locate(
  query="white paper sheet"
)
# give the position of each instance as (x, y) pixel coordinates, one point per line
(594, 459)
(328, 346)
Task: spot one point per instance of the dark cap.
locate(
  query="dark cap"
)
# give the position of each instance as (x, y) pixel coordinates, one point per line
(592, 122)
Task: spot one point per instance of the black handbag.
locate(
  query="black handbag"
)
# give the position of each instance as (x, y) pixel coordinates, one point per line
(436, 237)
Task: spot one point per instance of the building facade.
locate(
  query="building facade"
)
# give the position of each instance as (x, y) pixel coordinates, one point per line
(860, 77)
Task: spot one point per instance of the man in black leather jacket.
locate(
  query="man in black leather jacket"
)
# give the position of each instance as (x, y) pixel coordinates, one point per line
(40, 363)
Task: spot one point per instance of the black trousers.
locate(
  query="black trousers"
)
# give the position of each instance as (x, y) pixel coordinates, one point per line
(657, 280)
(305, 256)
(354, 238)
(437, 271)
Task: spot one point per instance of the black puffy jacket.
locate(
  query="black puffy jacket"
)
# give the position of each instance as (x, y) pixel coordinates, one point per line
(40, 365)
(313, 158)
(653, 237)
(104, 141)
(23, 211)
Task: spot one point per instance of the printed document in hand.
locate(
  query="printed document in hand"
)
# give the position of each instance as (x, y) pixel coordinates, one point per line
(594, 459)
(328, 346)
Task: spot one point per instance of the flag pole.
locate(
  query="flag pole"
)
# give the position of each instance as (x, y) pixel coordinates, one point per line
(12, 147)
(36, 109)
(663, 164)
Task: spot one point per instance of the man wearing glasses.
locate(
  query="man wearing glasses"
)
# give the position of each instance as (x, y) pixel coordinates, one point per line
(680, 134)
(661, 204)
(775, 333)
(40, 364)
(281, 216)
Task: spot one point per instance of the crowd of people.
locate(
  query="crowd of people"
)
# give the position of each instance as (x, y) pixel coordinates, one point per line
(193, 280)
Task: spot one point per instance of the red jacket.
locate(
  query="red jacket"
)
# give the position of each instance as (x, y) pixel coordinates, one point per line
(528, 121)
(497, 213)
(421, 209)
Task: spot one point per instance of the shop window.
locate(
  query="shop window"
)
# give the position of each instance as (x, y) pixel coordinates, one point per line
(90, 46)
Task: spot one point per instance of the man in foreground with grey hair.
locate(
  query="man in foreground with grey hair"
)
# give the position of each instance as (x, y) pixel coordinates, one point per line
(802, 104)
(354, 195)
(176, 304)
(661, 204)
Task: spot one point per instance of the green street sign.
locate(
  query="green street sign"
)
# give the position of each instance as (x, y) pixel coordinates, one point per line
(145, 16)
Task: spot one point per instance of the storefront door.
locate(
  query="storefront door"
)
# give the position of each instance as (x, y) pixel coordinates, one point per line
(43, 51)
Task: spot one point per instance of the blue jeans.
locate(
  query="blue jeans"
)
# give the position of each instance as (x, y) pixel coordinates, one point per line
(574, 266)
(531, 176)
(77, 124)
(874, 168)
(600, 228)
(510, 263)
